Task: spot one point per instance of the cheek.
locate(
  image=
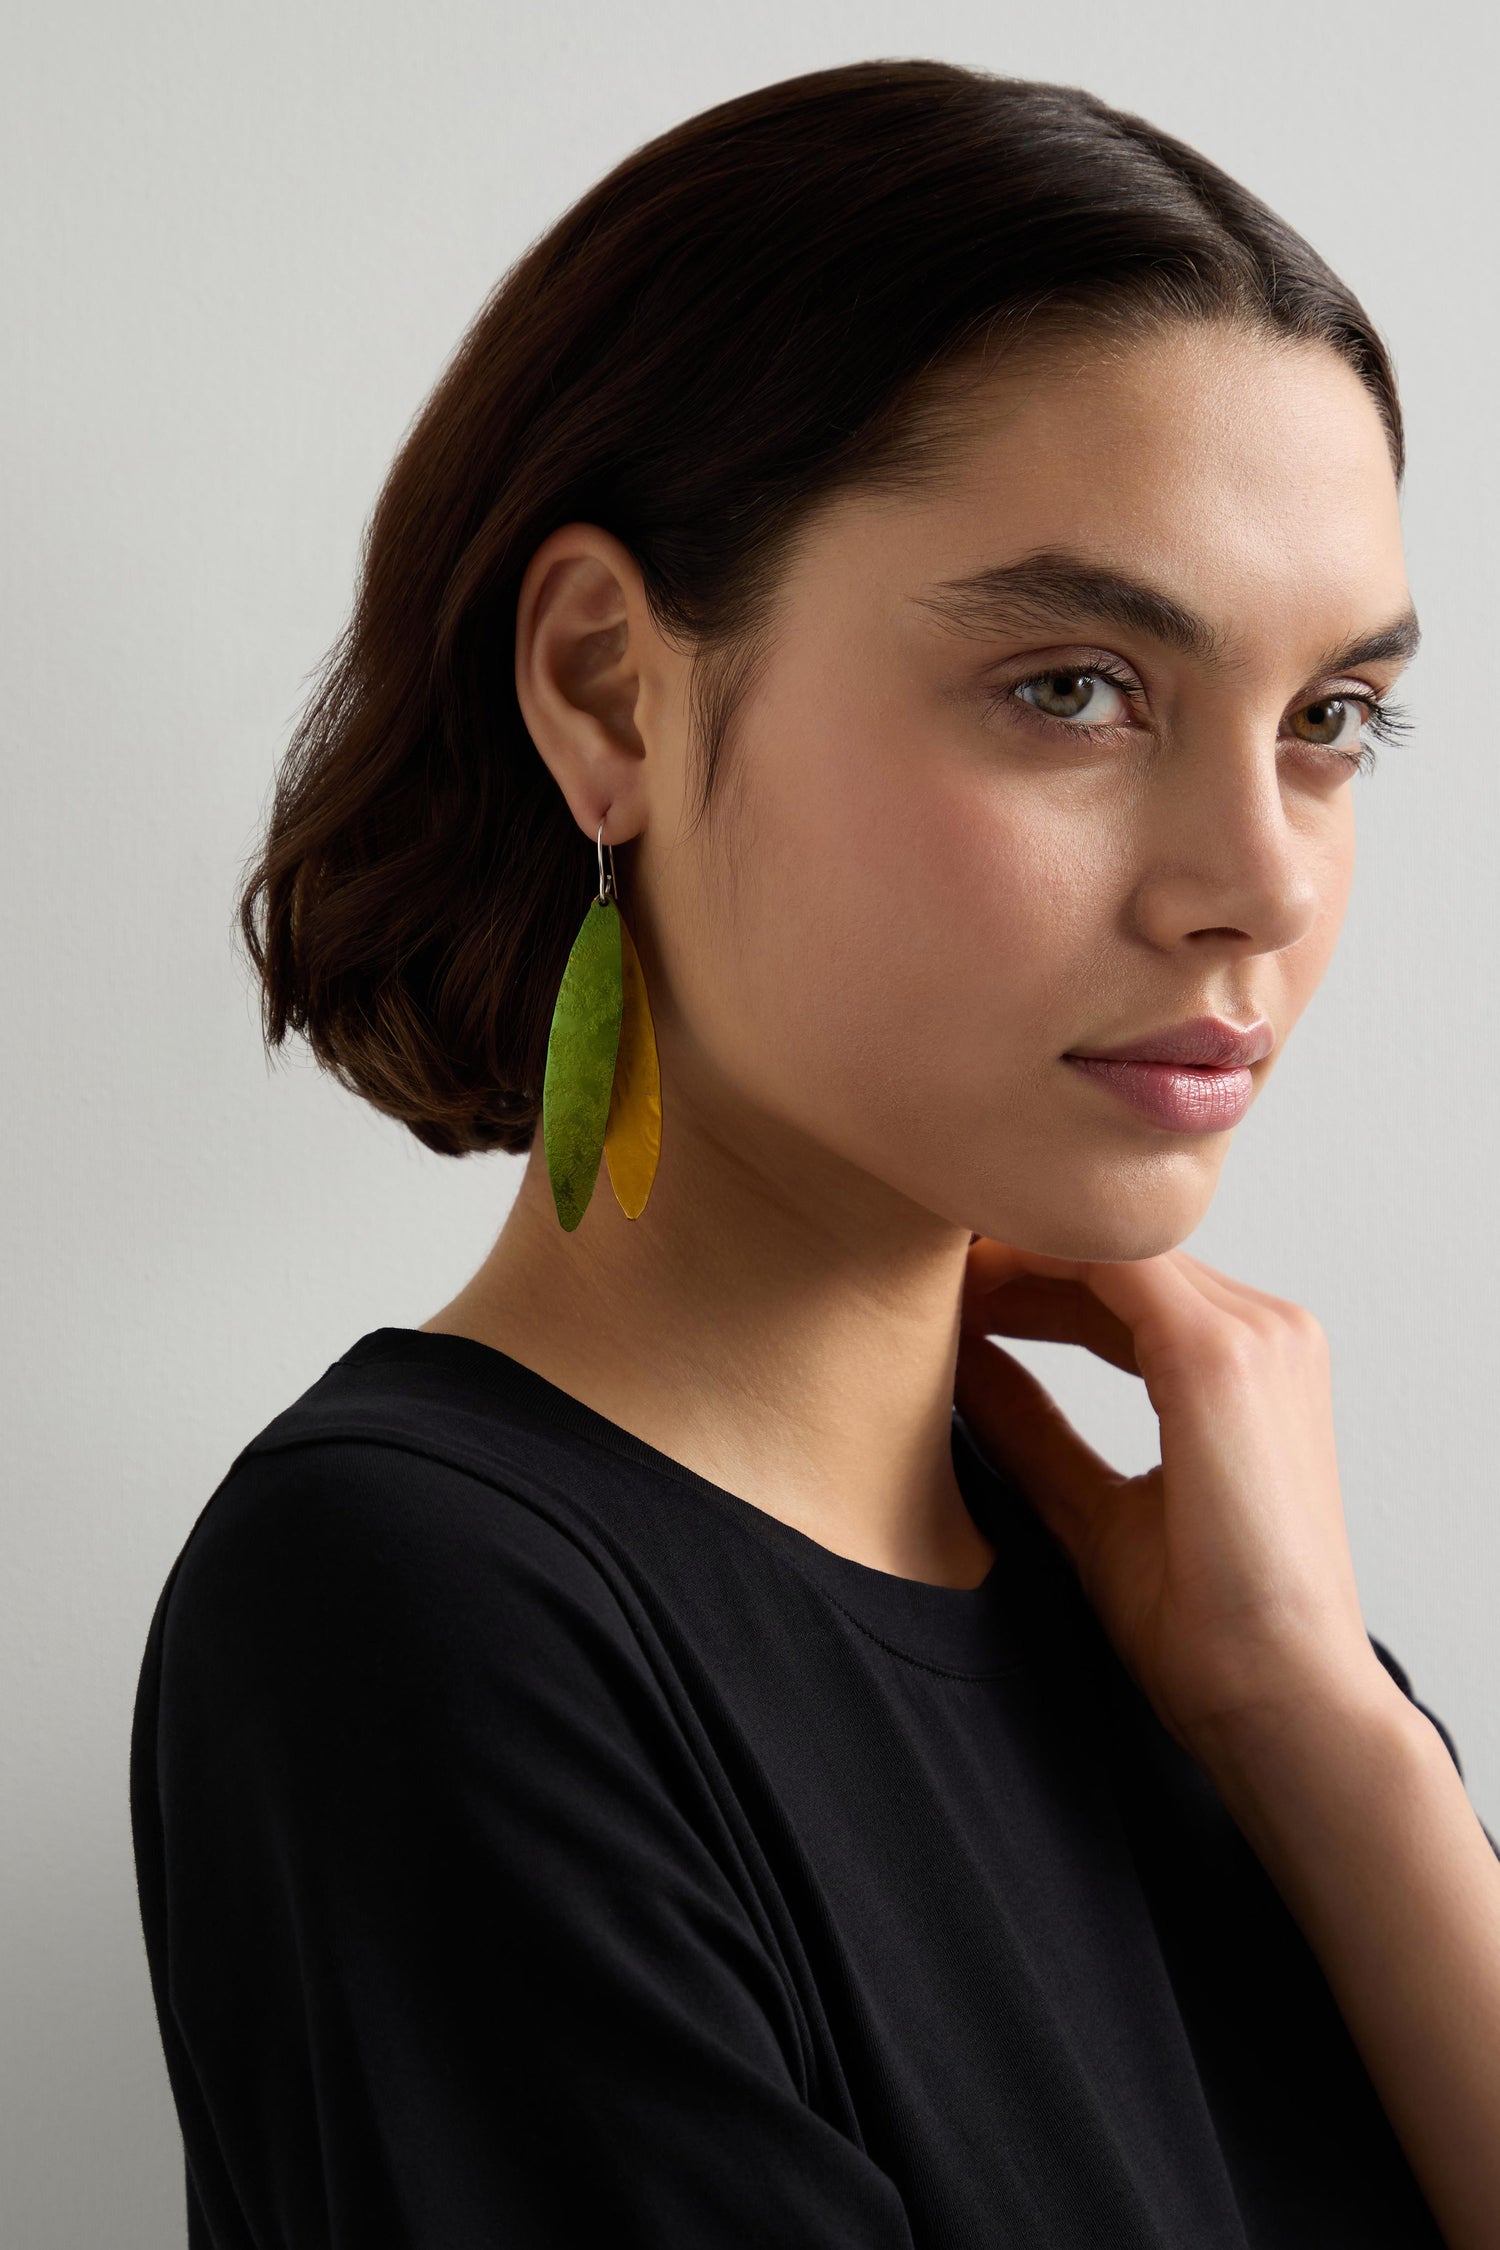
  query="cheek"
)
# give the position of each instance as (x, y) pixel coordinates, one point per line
(912, 932)
(1333, 875)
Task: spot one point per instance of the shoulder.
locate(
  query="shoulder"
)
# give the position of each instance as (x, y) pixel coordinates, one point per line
(350, 1569)
(363, 1507)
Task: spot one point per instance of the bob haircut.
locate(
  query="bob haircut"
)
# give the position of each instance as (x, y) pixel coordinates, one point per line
(759, 309)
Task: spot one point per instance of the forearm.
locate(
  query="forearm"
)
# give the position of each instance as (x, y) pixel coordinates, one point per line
(1355, 1808)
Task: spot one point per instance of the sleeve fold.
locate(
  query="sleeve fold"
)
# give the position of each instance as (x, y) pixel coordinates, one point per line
(445, 1947)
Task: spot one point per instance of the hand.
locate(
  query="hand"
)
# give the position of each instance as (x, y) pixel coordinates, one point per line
(1222, 1576)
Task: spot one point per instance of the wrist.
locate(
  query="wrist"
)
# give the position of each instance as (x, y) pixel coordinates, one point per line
(1306, 1715)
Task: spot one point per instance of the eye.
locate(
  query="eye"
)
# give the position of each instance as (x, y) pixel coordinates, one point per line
(1084, 698)
(1333, 723)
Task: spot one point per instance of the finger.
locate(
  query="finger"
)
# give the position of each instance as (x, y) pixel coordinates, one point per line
(1229, 1289)
(1167, 1303)
(1027, 1284)
(1051, 1312)
(1023, 1429)
(1163, 1302)
(991, 1262)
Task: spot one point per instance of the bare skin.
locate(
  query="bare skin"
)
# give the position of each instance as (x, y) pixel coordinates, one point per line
(931, 878)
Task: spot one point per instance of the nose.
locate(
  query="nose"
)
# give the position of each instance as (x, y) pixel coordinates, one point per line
(1222, 858)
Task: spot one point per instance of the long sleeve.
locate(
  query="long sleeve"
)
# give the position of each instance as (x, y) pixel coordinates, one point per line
(449, 1945)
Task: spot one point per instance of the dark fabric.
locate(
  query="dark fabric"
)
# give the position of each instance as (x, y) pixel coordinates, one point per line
(541, 1846)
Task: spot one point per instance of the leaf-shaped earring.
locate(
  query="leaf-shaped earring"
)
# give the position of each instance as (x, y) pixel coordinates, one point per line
(632, 1138)
(601, 1095)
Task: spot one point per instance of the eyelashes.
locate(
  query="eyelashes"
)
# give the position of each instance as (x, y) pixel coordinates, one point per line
(1388, 722)
(1385, 722)
(1009, 693)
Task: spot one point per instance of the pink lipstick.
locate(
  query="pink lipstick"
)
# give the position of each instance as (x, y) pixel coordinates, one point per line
(1191, 1077)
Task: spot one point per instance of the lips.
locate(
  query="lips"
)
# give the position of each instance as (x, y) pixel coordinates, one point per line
(1191, 1077)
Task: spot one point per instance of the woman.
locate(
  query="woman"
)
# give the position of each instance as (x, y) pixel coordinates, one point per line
(849, 727)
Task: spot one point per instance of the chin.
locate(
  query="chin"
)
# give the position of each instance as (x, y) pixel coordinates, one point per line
(1110, 1212)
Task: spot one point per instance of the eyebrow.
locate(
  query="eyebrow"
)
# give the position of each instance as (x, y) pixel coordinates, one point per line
(1052, 584)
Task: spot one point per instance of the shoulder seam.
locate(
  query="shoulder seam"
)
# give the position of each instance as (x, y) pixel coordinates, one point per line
(383, 1442)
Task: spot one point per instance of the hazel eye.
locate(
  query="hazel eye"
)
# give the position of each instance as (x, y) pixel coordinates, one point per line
(1082, 697)
(1334, 723)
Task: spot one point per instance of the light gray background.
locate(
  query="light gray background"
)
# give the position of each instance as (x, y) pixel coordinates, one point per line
(240, 242)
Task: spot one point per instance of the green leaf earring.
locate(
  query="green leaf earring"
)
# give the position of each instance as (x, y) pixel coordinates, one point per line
(601, 1095)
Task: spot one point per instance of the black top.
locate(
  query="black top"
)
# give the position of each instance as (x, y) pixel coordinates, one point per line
(539, 1845)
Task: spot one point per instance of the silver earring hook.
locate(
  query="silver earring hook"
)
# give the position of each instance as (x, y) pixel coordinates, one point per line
(613, 892)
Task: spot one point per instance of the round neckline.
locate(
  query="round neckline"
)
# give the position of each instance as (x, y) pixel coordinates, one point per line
(969, 1630)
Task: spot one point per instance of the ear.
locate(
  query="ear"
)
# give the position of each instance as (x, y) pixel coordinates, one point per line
(588, 658)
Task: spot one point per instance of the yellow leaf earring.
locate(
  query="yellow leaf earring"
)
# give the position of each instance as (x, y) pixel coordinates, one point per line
(601, 1095)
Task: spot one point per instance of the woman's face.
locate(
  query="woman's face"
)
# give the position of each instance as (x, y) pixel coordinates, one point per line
(1051, 757)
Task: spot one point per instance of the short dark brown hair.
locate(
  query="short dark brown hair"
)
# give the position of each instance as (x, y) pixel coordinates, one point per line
(739, 321)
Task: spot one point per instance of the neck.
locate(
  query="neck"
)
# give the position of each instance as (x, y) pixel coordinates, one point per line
(786, 1329)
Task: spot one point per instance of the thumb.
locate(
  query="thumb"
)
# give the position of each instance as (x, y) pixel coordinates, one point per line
(1024, 1431)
